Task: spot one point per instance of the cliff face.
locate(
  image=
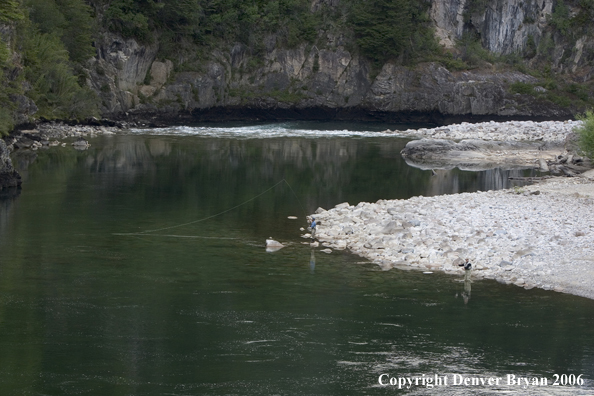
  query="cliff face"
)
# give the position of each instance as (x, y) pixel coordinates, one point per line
(332, 80)
(509, 26)
(292, 82)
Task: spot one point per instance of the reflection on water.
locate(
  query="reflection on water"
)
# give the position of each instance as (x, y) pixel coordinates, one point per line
(203, 309)
(467, 286)
(328, 171)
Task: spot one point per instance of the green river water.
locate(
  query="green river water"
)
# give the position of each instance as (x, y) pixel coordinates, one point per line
(203, 309)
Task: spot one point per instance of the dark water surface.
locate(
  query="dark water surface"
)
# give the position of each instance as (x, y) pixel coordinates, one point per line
(202, 309)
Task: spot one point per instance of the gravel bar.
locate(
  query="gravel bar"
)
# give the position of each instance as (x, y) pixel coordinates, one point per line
(536, 236)
(547, 131)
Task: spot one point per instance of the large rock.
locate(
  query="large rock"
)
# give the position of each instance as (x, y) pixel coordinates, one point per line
(9, 177)
(474, 154)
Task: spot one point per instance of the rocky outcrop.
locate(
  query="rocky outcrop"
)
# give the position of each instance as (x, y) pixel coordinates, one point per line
(118, 70)
(292, 82)
(545, 145)
(517, 27)
(330, 81)
(474, 154)
(9, 177)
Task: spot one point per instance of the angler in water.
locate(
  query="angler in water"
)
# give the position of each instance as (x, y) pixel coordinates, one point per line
(313, 228)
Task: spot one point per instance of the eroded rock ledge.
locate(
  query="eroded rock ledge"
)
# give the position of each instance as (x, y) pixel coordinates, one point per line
(538, 236)
(9, 177)
(548, 145)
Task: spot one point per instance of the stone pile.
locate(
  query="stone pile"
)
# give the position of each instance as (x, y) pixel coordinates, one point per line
(49, 134)
(520, 236)
(548, 131)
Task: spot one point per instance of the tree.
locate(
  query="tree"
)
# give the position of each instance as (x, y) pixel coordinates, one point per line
(382, 27)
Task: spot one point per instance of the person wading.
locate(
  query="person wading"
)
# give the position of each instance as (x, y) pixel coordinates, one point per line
(313, 228)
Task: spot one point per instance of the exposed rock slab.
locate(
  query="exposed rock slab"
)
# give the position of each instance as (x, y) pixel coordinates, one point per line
(474, 154)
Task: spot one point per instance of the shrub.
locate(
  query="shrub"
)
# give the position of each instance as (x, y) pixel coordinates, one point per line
(386, 29)
(586, 134)
(522, 88)
(68, 19)
(10, 11)
(55, 88)
(6, 121)
(560, 17)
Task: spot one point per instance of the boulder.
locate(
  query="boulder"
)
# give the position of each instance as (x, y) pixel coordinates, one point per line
(273, 246)
(9, 177)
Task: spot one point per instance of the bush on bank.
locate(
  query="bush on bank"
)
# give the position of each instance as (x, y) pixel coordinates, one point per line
(586, 133)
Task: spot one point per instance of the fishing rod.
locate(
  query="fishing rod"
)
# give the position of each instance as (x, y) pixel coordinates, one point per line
(148, 232)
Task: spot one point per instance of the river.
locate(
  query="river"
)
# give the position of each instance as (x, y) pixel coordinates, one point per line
(138, 267)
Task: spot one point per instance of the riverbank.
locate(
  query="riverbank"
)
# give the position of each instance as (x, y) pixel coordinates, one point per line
(526, 131)
(53, 133)
(548, 146)
(536, 236)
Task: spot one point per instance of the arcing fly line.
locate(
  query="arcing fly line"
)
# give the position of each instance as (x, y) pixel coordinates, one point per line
(146, 232)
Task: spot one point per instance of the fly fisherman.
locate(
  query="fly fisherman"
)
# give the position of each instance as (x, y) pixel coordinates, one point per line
(467, 288)
(312, 227)
(467, 265)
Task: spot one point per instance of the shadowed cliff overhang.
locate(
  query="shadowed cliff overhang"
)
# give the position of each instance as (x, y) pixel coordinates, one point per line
(250, 114)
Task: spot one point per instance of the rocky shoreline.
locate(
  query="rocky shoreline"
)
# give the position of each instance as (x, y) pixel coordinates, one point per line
(547, 146)
(524, 131)
(45, 135)
(537, 236)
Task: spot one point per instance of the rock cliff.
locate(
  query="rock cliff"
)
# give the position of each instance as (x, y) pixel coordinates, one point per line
(306, 82)
(334, 82)
(8, 175)
(331, 79)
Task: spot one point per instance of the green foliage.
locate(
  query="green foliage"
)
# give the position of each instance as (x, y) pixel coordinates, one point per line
(286, 96)
(55, 88)
(383, 28)
(183, 24)
(452, 64)
(558, 99)
(4, 56)
(126, 17)
(578, 90)
(473, 52)
(316, 63)
(586, 134)
(10, 11)
(474, 7)
(78, 31)
(55, 38)
(560, 17)
(68, 19)
(530, 50)
(6, 121)
(522, 88)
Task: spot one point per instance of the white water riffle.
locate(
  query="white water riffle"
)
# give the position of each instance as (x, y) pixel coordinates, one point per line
(551, 131)
(277, 130)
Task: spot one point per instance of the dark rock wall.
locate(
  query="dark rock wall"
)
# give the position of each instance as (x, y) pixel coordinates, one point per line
(288, 80)
(8, 175)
